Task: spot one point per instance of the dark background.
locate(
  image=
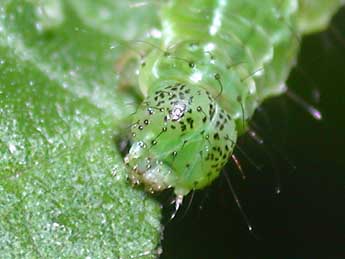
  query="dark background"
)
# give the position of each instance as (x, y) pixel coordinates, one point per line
(307, 219)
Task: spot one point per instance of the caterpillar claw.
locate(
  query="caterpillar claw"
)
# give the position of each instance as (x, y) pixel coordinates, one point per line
(178, 202)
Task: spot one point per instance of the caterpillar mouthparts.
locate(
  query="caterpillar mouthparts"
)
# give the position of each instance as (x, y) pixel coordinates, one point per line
(171, 125)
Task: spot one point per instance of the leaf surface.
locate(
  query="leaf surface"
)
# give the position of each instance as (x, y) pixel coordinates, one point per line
(63, 184)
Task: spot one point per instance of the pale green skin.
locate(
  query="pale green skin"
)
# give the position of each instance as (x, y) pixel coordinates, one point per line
(245, 48)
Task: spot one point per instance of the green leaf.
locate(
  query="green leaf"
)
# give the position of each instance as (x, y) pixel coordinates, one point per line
(63, 188)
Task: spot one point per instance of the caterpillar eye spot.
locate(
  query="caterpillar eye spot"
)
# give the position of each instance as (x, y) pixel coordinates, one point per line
(177, 111)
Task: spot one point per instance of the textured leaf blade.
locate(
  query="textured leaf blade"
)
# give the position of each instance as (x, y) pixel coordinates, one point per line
(62, 182)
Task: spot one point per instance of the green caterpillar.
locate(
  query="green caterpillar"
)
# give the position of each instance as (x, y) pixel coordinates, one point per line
(218, 60)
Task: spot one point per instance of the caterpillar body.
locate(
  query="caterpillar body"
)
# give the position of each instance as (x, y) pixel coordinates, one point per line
(218, 60)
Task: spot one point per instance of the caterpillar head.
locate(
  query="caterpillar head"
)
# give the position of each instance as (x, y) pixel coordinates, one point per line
(181, 138)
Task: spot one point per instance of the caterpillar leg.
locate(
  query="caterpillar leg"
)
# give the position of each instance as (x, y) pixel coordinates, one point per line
(126, 66)
(178, 202)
